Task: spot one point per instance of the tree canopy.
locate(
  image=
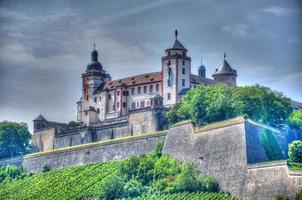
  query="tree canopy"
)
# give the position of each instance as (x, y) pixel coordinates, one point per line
(295, 119)
(206, 104)
(14, 139)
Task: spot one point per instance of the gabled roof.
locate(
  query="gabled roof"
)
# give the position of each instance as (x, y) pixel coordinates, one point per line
(131, 81)
(146, 79)
(225, 68)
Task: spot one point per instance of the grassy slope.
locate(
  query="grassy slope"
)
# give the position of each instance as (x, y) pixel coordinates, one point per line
(80, 181)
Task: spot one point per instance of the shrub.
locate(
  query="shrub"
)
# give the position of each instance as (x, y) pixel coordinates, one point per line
(11, 172)
(299, 195)
(113, 188)
(133, 188)
(187, 181)
(210, 184)
(295, 151)
(45, 168)
(295, 119)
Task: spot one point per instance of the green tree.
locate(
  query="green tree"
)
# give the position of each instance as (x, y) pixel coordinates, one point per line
(11, 172)
(73, 125)
(295, 119)
(207, 104)
(295, 151)
(14, 139)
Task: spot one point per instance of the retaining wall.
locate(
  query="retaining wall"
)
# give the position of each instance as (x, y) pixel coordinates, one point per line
(89, 153)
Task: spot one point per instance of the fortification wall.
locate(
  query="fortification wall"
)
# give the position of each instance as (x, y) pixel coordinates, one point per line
(218, 151)
(44, 139)
(88, 153)
(224, 150)
(141, 121)
(265, 180)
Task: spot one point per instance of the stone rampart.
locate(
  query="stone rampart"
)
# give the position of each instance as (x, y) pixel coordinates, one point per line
(224, 150)
(95, 152)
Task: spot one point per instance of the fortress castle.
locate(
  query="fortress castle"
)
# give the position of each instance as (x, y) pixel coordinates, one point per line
(132, 105)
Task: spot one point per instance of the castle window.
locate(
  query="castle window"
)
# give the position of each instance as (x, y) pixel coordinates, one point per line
(132, 91)
(169, 78)
(183, 82)
(157, 87)
(142, 104)
(183, 62)
(183, 70)
(95, 99)
(133, 106)
(109, 96)
(151, 88)
(139, 90)
(145, 89)
(169, 96)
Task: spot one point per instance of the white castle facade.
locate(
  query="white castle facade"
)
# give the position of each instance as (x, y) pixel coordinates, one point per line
(103, 98)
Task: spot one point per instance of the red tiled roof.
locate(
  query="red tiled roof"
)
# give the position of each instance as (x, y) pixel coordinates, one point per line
(148, 78)
(132, 80)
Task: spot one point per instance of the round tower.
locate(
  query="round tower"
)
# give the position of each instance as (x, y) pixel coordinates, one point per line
(225, 73)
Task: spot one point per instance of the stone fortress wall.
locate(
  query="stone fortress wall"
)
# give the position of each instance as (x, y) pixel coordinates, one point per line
(230, 150)
(226, 150)
(138, 122)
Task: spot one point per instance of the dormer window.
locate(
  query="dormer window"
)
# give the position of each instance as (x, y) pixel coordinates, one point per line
(184, 53)
(169, 62)
(169, 53)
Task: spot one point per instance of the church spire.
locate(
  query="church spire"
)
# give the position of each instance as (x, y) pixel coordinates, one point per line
(176, 34)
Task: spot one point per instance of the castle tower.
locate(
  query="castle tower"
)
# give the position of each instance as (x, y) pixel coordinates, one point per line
(176, 70)
(202, 70)
(92, 79)
(225, 73)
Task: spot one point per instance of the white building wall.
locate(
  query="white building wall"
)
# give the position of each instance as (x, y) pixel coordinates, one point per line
(169, 90)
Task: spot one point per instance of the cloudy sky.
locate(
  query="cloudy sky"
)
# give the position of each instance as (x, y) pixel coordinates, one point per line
(45, 45)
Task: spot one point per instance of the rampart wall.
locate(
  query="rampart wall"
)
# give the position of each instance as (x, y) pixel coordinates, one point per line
(224, 150)
(88, 153)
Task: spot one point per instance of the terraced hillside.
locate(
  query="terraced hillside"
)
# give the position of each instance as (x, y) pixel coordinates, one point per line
(69, 183)
(191, 196)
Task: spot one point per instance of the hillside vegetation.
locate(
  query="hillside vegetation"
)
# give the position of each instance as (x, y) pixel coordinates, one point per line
(69, 183)
(206, 104)
(151, 176)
